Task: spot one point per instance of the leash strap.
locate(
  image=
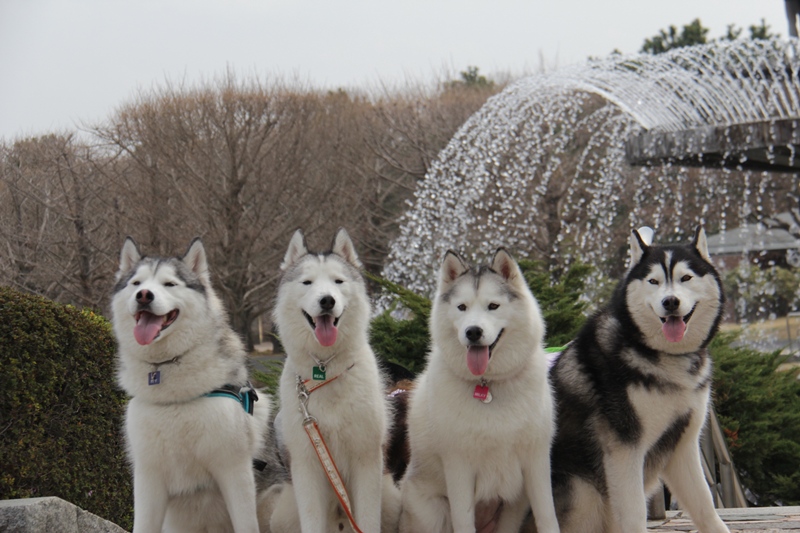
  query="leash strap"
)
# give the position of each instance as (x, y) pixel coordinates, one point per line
(321, 449)
(331, 472)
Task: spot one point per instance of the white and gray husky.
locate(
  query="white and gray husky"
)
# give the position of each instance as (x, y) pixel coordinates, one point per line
(481, 418)
(632, 394)
(193, 424)
(322, 313)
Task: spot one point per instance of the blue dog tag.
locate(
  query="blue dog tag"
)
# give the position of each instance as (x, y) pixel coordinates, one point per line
(154, 378)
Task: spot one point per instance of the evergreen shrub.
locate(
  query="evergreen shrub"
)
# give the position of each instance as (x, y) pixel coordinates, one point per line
(60, 412)
(759, 410)
(403, 341)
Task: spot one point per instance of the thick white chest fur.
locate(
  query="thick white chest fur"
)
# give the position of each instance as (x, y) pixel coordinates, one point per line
(464, 451)
(492, 439)
(181, 442)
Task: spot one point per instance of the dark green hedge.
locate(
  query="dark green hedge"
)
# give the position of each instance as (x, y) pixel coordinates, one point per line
(759, 410)
(401, 341)
(60, 411)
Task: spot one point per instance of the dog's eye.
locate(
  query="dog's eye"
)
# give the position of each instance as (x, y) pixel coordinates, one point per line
(339, 281)
(136, 283)
(652, 281)
(307, 282)
(170, 284)
(493, 306)
(462, 307)
(686, 278)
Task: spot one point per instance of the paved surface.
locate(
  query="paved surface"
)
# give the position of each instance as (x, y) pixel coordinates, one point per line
(748, 520)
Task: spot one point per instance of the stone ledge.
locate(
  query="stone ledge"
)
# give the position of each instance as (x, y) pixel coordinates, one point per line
(51, 514)
(741, 520)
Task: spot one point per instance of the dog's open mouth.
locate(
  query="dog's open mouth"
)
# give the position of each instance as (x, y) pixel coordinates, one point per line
(149, 325)
(478, 356)
(674, 327)
(325, 328)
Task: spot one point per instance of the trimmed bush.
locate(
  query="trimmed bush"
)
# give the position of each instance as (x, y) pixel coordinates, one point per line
(60, 411)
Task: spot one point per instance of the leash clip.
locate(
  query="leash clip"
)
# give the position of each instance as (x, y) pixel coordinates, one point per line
(302, 395)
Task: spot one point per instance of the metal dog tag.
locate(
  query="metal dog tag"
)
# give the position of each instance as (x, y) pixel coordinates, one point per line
(482, 393)
(318, 374)
(154, 378)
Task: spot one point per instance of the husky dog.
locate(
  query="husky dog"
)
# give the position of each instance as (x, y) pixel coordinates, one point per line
(322, 314)
(481, 418)
(632, 394)
(191, 446)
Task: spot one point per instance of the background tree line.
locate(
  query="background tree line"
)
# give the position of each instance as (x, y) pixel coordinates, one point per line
(241, 163)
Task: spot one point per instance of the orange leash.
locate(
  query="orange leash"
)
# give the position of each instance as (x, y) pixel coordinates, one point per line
(321, 449)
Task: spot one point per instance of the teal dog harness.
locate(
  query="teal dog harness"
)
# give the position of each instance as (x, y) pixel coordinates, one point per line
(246, 395)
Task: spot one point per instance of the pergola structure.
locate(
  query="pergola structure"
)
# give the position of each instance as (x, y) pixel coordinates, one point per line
(770, 145)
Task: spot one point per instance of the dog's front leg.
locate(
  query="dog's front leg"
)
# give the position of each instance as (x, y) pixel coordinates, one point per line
(684, 477)
(512, 515)
(366, 492)
(239, 492)
(624, 468)
(540, 492)
(313, 493)
(460, 481)
(149, 501)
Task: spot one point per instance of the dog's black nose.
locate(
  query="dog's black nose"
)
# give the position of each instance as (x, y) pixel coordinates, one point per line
(474, 333)
(144, 297)
(327, 302)
(671, 303)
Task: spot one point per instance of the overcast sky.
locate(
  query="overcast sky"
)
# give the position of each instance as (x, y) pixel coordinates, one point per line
(64, 63)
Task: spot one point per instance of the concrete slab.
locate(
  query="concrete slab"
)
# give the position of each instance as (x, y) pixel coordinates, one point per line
(50, 514)
(745, 520)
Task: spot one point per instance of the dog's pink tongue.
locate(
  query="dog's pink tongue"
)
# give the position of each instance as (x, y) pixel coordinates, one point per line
(477, 359)
(674, 328)
(147, 327)
(325, 330)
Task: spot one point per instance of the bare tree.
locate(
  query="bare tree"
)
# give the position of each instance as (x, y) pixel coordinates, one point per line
(403, 132)
(241, 165)
(53, 207)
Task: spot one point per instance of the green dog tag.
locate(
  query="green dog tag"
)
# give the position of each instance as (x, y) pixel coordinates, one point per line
(318, 374)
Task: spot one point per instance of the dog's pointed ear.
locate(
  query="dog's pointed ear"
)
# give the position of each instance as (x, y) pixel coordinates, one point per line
(196, 258)
(638, 246)
(343, 247)
(452, 267)
(504, 264)
(130, 255)
(701, 243)
(297, 249)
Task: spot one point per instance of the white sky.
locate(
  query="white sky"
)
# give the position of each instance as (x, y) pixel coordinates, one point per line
(64, 63)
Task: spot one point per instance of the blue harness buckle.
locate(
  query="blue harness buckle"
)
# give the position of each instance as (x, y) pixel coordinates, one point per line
(246, 395)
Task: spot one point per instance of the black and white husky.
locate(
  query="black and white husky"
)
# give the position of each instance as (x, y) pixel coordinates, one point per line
(632, 394)
(193, 424)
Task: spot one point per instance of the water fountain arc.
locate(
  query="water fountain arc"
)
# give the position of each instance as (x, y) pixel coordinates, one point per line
(542, 168)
